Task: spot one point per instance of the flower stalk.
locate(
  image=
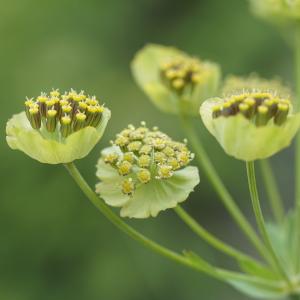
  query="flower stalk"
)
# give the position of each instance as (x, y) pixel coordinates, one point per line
(260, 219)
(221, 190)
(189, 260)
(212, 240)
(272, 190)
(297, 156)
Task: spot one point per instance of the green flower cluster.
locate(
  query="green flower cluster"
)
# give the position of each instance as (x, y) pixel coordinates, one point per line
(63, 114)
(244, 123)
(182, 72)
(260, 108)
(174, 81)
(57, 128)
(142, 154)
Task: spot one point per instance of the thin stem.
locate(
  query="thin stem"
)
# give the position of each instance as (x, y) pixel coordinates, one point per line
(202, 265)
(197, 264)
(212, 240)
(109, 214)
(272, 190)
(221, 190)
(260, 219)
(297, 155)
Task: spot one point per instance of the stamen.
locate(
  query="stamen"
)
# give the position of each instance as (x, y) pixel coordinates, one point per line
(51, 120)
(258, 107)
(146, 155)
(128, 186)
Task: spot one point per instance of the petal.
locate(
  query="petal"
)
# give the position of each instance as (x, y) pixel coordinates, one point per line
(21, 136)
(148, 199)
(162, 98)
(146, 71)
(146, 63)
(158, 195)
(242, 139)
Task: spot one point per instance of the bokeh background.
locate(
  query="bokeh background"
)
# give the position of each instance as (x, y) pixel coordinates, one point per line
(53, 243)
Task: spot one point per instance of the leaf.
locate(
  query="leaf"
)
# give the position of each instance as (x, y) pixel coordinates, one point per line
(282, 237)
(252, 286)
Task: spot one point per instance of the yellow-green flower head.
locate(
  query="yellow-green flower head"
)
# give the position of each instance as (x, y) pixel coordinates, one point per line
(277, 11)
(173, 80)
(145, 172)
(241, 84)
(58, 128)
(251, 125)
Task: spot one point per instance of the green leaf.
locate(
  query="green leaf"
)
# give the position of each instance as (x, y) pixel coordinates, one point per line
(253, 286)
(252, 268)
(282, 237)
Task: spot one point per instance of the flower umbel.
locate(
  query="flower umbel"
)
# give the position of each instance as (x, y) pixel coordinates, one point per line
(58, 128)
(145, 171)
(251, 125)
(180, 73)
(173, 80)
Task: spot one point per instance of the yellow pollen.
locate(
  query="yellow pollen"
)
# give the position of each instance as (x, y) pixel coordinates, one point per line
(80, 117)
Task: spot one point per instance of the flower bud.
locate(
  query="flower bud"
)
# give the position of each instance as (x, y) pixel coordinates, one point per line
(174, 81)
(139, 177)
(54, 129)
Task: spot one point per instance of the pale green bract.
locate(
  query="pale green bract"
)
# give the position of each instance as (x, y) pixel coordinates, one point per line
(148, 199)
(242, 139)
(47, 148)
(146, 68)
(277, 11)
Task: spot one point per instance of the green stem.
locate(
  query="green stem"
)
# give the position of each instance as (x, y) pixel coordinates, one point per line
(109, 214)
(202, 265)
(297, 149)
(272, 190)
(260, 219)
(223, 193)
(212, 240)
(197, 264)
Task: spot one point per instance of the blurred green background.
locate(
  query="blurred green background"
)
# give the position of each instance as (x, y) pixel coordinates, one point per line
(53, 243)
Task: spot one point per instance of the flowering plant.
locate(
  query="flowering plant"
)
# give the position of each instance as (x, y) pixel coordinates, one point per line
(145, 172)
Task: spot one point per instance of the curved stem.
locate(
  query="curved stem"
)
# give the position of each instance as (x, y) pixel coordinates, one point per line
(272, 190)
(197, 264)
(260, 219)
(212, 240)
(109, 214)
(297, 154)
(202, 265)
(223, 193)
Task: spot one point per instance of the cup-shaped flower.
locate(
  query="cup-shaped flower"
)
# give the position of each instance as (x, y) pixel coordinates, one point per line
(174, 81)
(58, 128)
(277, 11)
(251, 125)
(145, 172)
